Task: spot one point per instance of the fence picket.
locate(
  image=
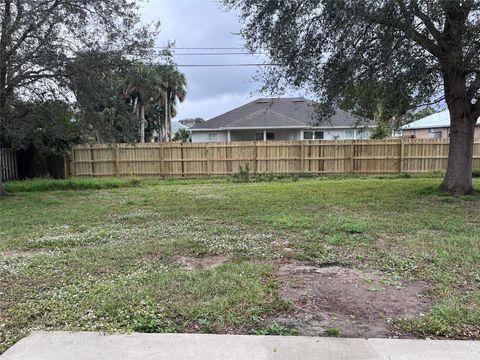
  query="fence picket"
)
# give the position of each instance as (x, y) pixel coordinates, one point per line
(8, 164)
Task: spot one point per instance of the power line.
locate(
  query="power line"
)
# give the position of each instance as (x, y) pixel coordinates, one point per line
(223, 65)
(200, 48)
(217, 54)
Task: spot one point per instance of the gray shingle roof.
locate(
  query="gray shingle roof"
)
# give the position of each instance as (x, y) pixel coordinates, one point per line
(280, 112)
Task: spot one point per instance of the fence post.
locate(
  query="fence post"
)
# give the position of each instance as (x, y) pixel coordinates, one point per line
(402, 156)
(72, 163)
(208, 160)
(352, 158)
(302, 149)
(117, 162)
(181, 160)
(92, 158)
(162, 162)
(255, 158)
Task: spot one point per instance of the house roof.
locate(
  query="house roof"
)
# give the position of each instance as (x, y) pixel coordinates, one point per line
(280, 113)
(437, 120)
(176, 126)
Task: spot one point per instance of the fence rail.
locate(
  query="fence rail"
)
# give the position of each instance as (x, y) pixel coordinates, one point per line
(293, 157)
(8, 164)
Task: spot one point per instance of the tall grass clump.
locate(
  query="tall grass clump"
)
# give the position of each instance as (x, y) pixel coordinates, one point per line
(35, 185)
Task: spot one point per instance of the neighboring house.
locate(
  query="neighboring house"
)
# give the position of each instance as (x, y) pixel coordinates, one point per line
(436, 126)
(280, 119)
(176, 126)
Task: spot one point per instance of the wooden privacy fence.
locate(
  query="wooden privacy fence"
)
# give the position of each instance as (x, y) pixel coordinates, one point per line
(279, 157)
(8, 164)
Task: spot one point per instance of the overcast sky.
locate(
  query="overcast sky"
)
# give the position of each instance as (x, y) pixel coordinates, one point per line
(203, 23)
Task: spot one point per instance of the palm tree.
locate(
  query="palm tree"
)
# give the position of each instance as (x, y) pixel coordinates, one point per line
(143, 86)
(174, 88)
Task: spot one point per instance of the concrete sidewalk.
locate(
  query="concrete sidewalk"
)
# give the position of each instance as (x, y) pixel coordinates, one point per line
(92, 346)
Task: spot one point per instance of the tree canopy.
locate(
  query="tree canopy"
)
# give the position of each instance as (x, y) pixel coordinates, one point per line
(38, 39)
(428, 50)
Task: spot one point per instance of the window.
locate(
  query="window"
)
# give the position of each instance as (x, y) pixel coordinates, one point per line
(269, 136)
(213, 137)
(356, 134)
(313, 135)
(350, 134)
(434, 134)
(362, 134)
(308, 135)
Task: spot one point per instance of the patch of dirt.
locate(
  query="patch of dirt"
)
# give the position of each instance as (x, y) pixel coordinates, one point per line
(359, 303)
(206, 262)
(20, 254)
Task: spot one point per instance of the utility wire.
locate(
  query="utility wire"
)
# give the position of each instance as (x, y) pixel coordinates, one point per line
(223, 65)
(200, 48)
(217, 54)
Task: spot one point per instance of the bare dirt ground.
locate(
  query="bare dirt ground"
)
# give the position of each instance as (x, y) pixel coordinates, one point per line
(206, 262)
(19, 254)
(355, 303)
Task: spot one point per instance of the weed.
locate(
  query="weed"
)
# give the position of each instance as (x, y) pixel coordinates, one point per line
(275, 329)
(243, 175)
(333, 332)
(354, 228)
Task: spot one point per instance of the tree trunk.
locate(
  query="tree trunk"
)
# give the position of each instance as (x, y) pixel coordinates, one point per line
(458, 178)
(142, 123)
(169, 127)
(165, 139)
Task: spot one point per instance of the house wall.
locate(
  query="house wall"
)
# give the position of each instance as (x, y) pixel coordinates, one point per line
(280, 134)
(250, 135)
(245, 135)
(338, 134)
(205, 136)
(425, 133)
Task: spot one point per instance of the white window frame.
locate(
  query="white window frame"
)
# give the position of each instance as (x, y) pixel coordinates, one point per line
(213, 137)
(350, 137)
(433, 134)
(357, 134)
(314, 136)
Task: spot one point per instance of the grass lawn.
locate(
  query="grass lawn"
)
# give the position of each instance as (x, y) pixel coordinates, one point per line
(204, 255)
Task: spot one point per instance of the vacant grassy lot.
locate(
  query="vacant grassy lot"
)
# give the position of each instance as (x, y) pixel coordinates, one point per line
(214, 256)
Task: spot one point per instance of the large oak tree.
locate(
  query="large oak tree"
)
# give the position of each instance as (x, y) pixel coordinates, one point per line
(38, 38)
(429, 48)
